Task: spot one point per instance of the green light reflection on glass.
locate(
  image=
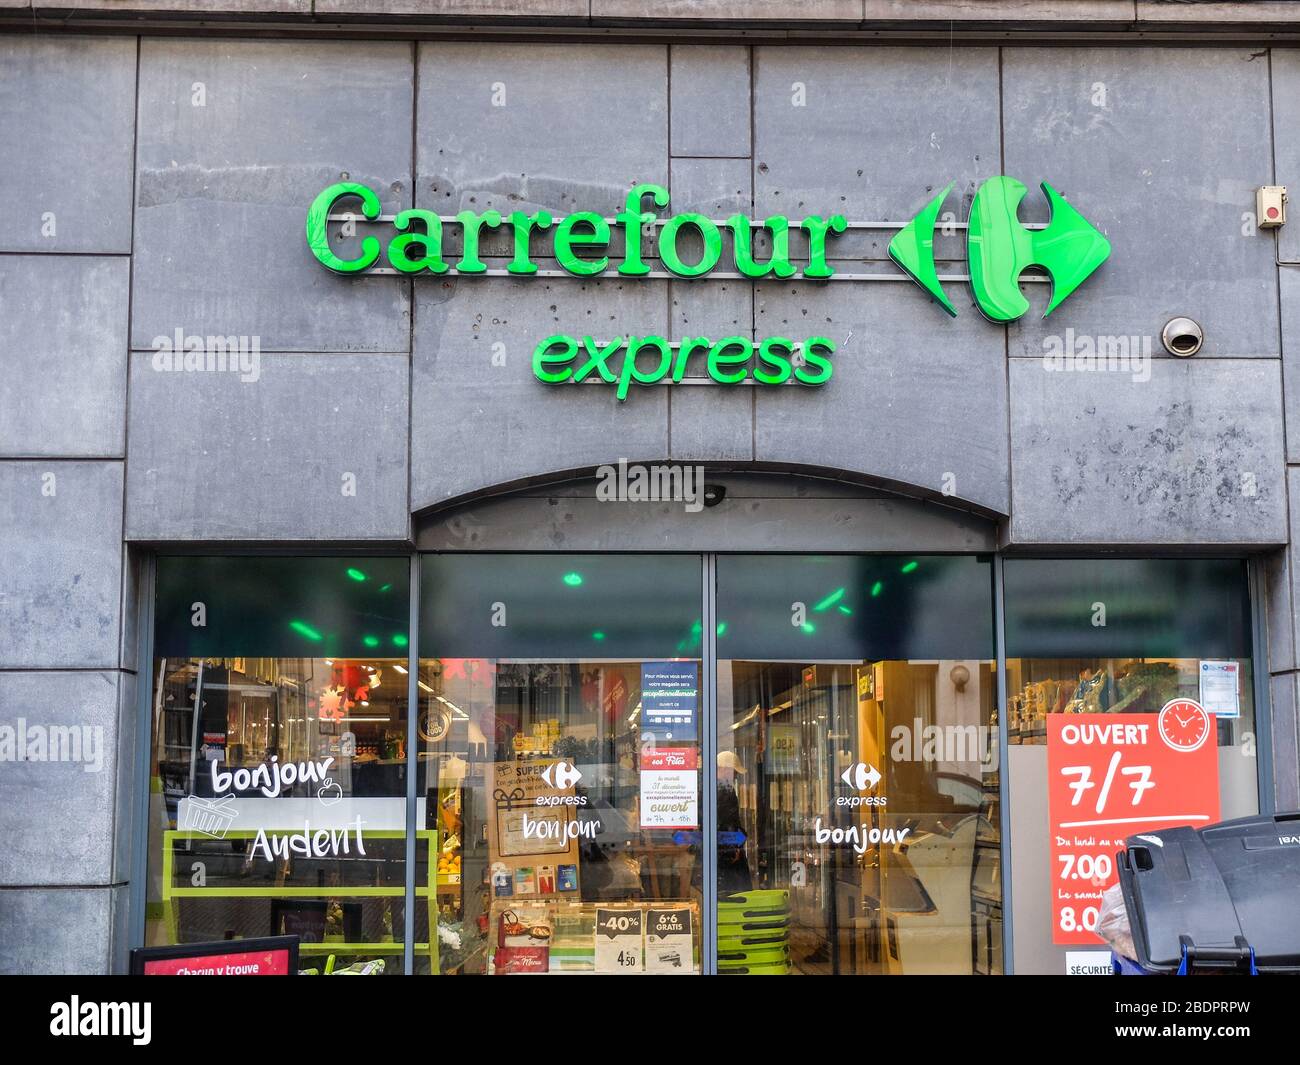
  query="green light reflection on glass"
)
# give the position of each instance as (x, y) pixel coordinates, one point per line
(303, 629)
(844, 610)
(909, 567)
(370, 641)
(722, 628)
(830, 600)
(356, 574)
(573, 579)
(877, 588)
(399, 640)
(808, 627)
(598, 635)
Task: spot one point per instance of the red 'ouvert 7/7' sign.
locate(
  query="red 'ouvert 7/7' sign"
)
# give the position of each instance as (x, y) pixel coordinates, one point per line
(1111, 776)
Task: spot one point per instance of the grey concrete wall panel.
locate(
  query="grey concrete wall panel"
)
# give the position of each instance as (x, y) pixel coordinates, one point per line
(1192, 456)
(63, 356)
(1286, 749)
(132, 561)
(710, 100)
(1289, 293)
(522, 126)
(712, 309)
(478, 415)
(1163, 154)
(717, 188)
(61, 556)
(223, 189)
(906, 403)
(73, 750)
(880, 132)
(59, 931)
(67, 109)
(1286, 143)
(1279, 605)
(266, 459)
(708, 423)
(129, 783)
(1293, 555)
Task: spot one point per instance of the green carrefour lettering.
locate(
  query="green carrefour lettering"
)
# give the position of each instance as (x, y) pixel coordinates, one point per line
(470, 224)
(708, 234)
(632, 218)
(768, 355)
(524, 224)
(821, 364)
(566, 239)
(818, 228)
(631, 372)
(778, 262)
(688, 347)
(597, 359)
(999, 248)
(730, 351)
(543, 356)
(430, 241)
(317, 227)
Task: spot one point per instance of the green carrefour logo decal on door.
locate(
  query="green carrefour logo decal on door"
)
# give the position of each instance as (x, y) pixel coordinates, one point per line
(999, 248)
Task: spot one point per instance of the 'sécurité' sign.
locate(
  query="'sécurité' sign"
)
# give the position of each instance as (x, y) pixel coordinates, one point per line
(998, 249)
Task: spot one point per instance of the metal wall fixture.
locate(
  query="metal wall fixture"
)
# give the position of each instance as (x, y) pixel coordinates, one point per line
(1182, 337)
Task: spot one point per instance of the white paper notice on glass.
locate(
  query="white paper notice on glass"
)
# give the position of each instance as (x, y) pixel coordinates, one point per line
(1088, 963)
(1220, 685)
(669, 941)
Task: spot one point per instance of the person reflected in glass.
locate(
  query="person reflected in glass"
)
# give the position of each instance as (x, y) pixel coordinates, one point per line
(733, 865)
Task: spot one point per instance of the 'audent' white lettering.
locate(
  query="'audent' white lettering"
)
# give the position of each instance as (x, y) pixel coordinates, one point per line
(323, 843)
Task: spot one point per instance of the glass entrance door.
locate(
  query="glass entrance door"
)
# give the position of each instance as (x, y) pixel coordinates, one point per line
(559, 774)
(856, 766)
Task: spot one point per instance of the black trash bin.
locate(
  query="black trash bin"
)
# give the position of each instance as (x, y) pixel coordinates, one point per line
(1224, 899)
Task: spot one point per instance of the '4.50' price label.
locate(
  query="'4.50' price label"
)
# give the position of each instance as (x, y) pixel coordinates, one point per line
(620, 941)
(1111, 776)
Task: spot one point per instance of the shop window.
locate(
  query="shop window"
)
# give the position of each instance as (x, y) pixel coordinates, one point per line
(857, 773)
(1097, 650)
(278, 756)
(558, 773)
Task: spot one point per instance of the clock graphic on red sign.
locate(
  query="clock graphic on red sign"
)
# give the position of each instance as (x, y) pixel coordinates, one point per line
(1184, 725)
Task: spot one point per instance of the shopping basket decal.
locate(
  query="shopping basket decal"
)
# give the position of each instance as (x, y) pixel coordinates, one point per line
(207, 817)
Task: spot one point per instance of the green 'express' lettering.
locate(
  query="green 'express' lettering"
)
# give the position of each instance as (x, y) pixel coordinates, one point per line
(625, 361)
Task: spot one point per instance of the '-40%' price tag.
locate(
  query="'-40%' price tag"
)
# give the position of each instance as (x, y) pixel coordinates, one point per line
(619, 941)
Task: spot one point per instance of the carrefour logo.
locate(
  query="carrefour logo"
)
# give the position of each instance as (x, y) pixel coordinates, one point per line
(999, 249)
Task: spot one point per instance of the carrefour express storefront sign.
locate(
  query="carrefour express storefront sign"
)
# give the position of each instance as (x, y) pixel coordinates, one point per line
(998, 249)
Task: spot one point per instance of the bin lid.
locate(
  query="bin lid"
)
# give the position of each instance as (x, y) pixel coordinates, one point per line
(1220, 892)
